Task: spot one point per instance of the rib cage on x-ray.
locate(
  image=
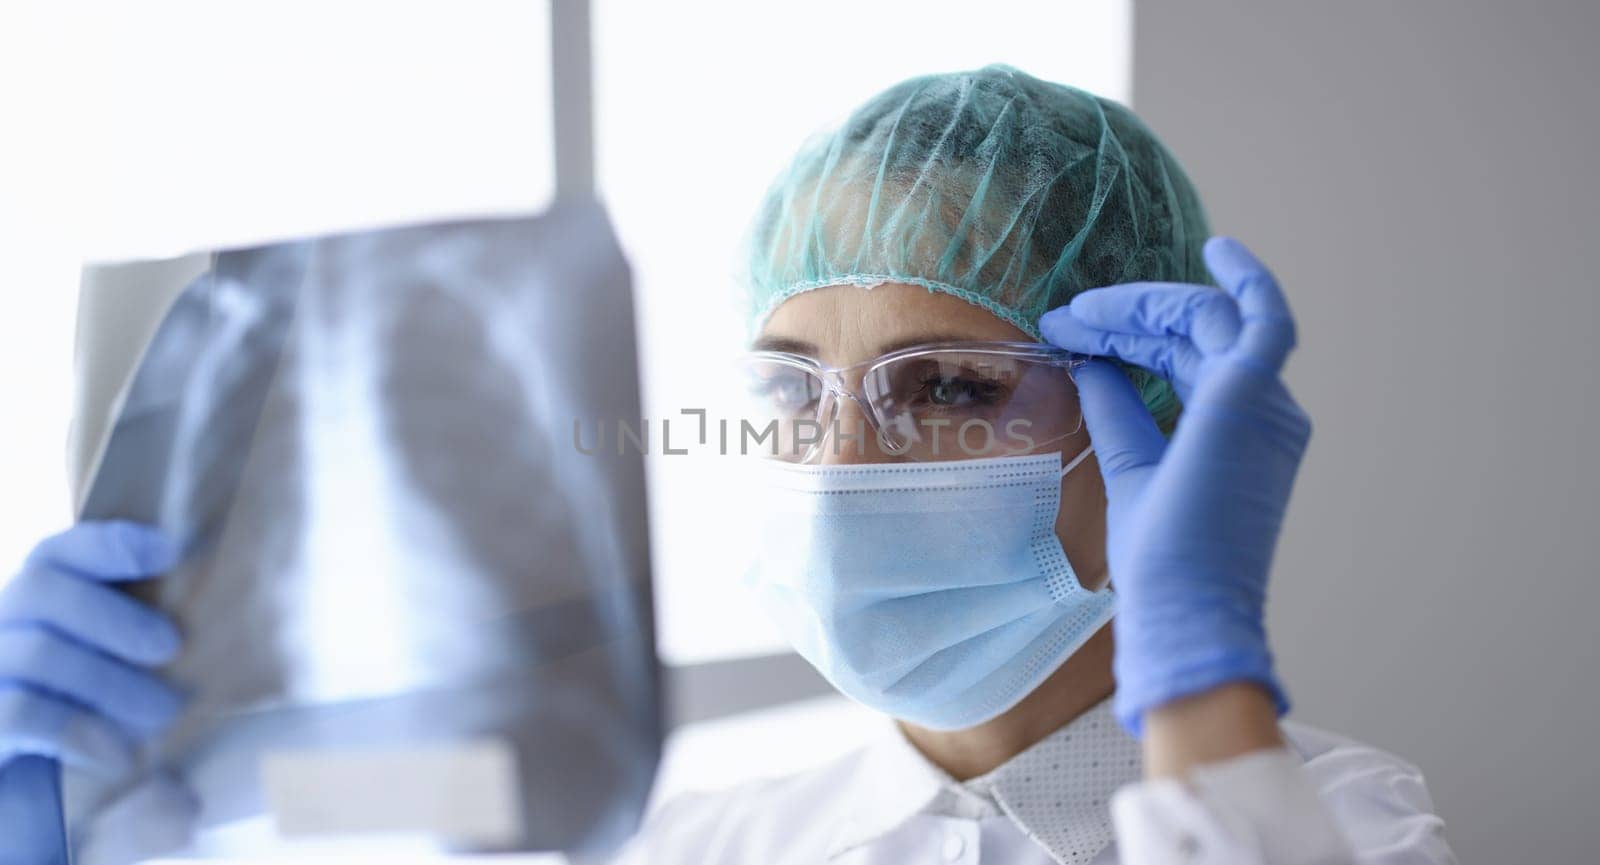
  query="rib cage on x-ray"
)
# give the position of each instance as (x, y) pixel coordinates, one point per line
(364, 444)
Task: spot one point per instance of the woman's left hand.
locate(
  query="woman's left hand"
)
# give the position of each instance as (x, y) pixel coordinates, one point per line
(1193, 521)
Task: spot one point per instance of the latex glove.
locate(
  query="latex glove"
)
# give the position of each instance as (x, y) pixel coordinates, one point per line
(75, 683)
(1192, 522)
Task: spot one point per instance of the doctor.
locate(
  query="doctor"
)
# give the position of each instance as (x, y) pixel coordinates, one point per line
(903, 270)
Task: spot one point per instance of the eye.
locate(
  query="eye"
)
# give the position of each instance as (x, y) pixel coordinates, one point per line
(787, 389)
(943, 391)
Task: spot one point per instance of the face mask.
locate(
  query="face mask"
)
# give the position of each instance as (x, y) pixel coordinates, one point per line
(934, 592)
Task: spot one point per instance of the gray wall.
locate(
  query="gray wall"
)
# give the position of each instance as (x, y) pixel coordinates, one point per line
(1422, 177)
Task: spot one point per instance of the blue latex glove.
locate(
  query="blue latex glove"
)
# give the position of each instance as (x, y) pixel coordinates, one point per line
(1192, 522)
(74, 680)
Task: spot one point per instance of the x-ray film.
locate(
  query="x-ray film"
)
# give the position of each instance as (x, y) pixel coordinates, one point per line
(410, 604)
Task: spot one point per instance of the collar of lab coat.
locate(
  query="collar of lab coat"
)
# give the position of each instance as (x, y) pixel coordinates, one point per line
(1058, 792)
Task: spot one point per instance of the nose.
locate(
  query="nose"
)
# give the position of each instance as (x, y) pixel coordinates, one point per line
(850, 439)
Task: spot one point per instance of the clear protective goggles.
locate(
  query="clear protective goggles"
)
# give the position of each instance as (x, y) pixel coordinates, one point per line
(938, 401)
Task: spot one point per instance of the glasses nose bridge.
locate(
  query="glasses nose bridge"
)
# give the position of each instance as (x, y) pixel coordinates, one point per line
(833, 380)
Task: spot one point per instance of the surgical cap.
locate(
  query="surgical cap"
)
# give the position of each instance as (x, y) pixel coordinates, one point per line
(993, 186)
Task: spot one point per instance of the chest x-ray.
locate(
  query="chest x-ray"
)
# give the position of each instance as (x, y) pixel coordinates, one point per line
(409, 603)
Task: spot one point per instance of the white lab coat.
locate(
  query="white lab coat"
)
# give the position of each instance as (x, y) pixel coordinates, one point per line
(1077, 797)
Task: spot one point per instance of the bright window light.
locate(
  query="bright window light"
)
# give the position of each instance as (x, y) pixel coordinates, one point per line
(137, 130)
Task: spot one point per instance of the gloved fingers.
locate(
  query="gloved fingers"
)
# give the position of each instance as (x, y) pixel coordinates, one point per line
(1208, 316)
(1267, 334)
(32, 722)
(109, 550)
(1127, 442)
(94, 614)
(30, 813)
(155, 818)
(1243, 393)
(40, 658)
(1174, 358)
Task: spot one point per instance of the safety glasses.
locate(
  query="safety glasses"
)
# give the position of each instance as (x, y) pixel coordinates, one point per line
(938, 401)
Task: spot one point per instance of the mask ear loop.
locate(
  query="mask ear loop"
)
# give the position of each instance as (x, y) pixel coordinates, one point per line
(1083, 454)
(1073, 463)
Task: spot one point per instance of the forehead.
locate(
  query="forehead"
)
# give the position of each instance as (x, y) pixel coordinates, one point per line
(845, 324)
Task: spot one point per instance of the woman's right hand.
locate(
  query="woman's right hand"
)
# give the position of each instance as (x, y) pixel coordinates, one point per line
(77, 683)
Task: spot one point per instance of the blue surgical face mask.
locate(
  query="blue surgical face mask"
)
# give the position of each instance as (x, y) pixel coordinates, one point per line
(936, 592)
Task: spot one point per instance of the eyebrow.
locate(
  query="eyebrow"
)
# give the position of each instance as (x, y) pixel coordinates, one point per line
(922, 339)
(784, 344)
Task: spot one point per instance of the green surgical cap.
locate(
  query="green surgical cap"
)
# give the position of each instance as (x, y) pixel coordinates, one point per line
(1006, 191)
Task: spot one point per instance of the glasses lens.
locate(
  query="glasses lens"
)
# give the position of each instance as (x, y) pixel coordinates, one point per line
(783, 408)
(950, 404)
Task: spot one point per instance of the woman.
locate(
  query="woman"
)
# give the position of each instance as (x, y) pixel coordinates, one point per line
(903, 270)
(950, 497)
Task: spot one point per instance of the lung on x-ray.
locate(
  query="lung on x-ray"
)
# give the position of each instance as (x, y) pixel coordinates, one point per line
(409, 603)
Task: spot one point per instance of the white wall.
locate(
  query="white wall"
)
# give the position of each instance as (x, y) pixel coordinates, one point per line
(1422, 177)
